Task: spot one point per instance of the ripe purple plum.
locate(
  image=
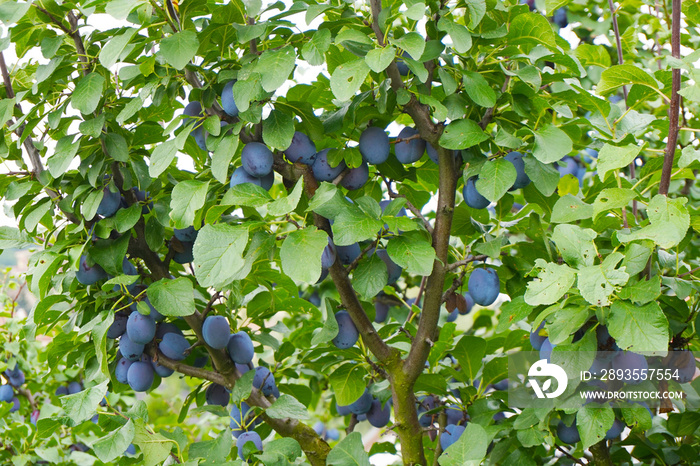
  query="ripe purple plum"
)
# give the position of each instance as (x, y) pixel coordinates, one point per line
(409, 150)
(347, 331)
(216, 331)
(374, 145)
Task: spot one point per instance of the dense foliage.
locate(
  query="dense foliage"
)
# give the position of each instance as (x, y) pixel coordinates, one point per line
(195, 210)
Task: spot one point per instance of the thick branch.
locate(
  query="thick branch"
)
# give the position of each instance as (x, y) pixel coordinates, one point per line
(675, 99)
(601, 454)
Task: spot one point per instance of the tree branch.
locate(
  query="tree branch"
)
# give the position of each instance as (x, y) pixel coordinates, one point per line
(675, 99)
(601, 454)
(466, 261)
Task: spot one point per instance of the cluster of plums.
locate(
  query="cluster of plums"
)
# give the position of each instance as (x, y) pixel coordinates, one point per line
(368, 408)
(15, 378)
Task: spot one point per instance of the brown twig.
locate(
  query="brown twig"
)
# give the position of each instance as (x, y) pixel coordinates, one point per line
(364, 252)
(466, 261)
(216, 296)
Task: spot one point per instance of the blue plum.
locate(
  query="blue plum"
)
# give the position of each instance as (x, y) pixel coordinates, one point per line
(452, 315)
(472, 197)
(74, 387)
(347, 331)
(63, 390)
(425, 404)
(257, 159)
(118, 327)
(110, 203)
(616, 429)
(6, 393)
(217, 395)
(130, 450)
(401, 64)
(546, 349)
(166, 327)
(162, 371)
(469, 304)
(240, 418)
(323, 171)
(361, 405)
(454, 414)
(570, 166)
(684, 363)
(302, 149)
(381, 312)
(120, 371)
(216, 331)
(244, 443)
(329, 255)
(451, 435)
(140, 328)
(633, 366)
(559, 17)
(356, 177)
(347, 254)
(374, 145)
(140, 376)
(174, 346)
(484, 286)
(130, 350)
(240, 348)
(537, 337)
(15, 404)
(521, 180)
(227, 101)
(89, 274)
(409, 151)
(393, 270)
(332, 434)
(379, 415)
(568, 434)
(265, 381)
(186, 255)
(185, 234)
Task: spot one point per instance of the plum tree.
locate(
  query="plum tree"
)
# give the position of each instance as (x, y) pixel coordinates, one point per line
(472, 196)
(356, 177)
(216, 331)
(174, 346)
(322, 169)
(240, 348)
(484, 286)
(374, 145)
(411, 147)
(257, 159)
(140, 328)
(521, 180)
(217, 395)
(347, 331)
(228, 102)
(140, 376)
(301, 149)
(89, 274)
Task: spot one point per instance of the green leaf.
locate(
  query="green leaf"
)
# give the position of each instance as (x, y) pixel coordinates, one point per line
(172, 297)
(348, 383)
(125, 219)
(470, 351)
(636, 257)
(164, 153)
(413, 43)
(552, 282)
(154, 446)
(113, 445)
(180, 48)
(569, 209)
(462, 134)
(287, 204)
(82, 406)
(246, 194)
(216, 450)
(221, 158)
(551, 144)
(461, 39)
(218, 253)
(593, 421)
(91, 127)
(413, 252)
(275, 66)
(477, 10)
(597, 282)
(689, 155)
(612, 198)
(87, 93)
(478, 89)
(497, 176)
(11, 237)
(380, 58)
(624, 75)
(370, 277)
(187, 197)
(301, 254)
(278, 130)
(544, 176)
(313, 51)
(243, 388)
(63, 155)
(110, 254)
(531, 29)
(117, 147)
(286, 406)
(468, 450)
(638, 328)
(347, 78)
(349, 452)
(113, 49)
(613, 157)
(12, 12)
(330, 326)
(575, 244)
(669, 220)
(353, 225)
